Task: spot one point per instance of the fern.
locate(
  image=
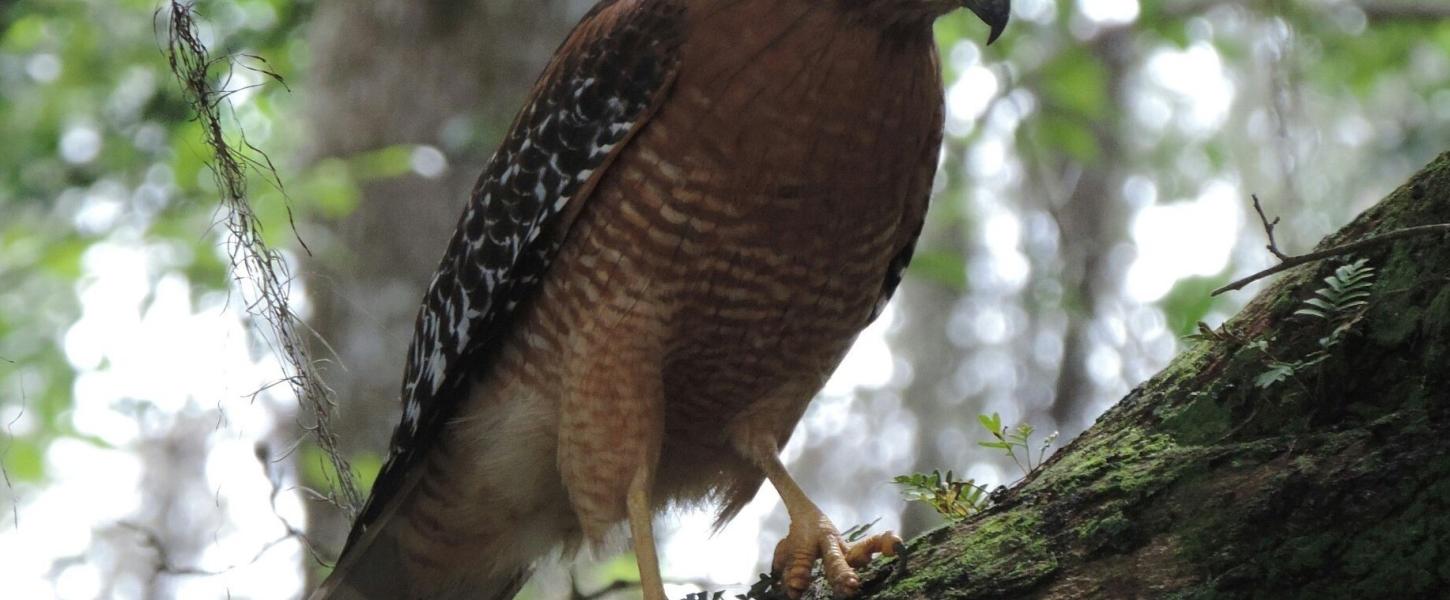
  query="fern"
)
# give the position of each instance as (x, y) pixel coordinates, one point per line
(1347, 289)
(1340, 303)
(952, 498)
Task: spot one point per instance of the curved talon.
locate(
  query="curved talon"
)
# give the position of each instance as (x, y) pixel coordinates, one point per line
(796, 554)
(843, 579)
(886, 543)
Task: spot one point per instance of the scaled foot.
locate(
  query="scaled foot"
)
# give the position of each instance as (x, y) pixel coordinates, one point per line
(815, 537)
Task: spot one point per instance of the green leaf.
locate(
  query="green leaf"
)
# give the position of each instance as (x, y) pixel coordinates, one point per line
(329, 187)
(384, 163)
(1071, 136)
(945, 268)
(63, 258)
(1022, 431)
(993, 423)
(1189, 302)
(1277, 372)
(23, 460)
(854, 534)
(366, 465)
(1077, 83)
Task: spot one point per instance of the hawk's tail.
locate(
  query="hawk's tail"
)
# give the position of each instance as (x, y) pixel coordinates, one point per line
(376, 572)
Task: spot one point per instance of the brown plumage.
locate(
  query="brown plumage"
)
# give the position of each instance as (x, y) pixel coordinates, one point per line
(636, 311)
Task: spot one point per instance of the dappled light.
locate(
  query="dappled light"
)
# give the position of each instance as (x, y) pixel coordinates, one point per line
(1094, 188)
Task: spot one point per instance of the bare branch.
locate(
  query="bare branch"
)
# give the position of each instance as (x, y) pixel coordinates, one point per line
(1374, 10)
(1289, 262)
(1273, 246)
(10, 438)
(1401, 10)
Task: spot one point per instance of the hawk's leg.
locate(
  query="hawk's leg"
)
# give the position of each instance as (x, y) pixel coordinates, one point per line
(812, 536)
(641, 528)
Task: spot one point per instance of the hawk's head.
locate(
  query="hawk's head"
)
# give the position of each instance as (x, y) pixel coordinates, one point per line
(992, 12)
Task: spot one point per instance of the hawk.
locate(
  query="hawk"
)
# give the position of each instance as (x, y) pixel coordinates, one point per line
(699, 208)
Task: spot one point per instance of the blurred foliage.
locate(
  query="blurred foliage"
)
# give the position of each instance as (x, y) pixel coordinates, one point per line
(103, 154)
(943, 268)
(100, 149)
(105, 151)
(1189, 302)
(1324, 92)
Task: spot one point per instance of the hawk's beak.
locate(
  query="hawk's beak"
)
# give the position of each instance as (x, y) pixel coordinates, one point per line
(992, 12)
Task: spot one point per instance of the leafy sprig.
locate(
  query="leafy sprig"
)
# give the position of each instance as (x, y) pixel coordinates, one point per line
(953, 498)
(1009, 440)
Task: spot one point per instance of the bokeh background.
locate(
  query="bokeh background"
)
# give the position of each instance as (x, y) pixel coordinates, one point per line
(1094, 186)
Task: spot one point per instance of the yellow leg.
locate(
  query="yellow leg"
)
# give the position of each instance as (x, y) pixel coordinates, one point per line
(813, 536)
(641, 528)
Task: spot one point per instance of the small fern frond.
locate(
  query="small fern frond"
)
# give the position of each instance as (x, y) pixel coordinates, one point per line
(1339, 304)
(1347, 289)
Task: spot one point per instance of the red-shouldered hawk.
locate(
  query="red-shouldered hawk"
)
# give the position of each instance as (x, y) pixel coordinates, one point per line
(700, 207)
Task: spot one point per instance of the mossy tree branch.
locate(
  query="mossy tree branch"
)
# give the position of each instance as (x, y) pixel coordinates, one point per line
(1203, 484)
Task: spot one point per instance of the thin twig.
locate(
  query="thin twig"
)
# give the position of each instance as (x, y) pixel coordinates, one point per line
(164, 565)
(10, 438)
(1294, 261)
(1273, 246)
(1402, 10)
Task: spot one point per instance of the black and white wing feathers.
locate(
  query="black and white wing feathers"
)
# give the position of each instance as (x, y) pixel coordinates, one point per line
(604, 82)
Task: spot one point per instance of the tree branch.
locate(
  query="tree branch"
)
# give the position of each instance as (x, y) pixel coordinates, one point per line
(1399, 10)
(1378, 11)
(1204, 483)
(1287, 262)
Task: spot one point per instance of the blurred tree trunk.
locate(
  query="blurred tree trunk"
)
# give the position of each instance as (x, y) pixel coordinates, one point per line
(921, 340)
(1204, 482)
(449, 74)
(1092, 219)
(167, 528)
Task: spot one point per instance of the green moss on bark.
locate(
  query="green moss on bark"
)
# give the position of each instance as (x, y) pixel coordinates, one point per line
(1201, 484)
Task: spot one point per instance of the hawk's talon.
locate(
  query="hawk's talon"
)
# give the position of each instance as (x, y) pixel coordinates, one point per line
(886, 544)
(813, 538)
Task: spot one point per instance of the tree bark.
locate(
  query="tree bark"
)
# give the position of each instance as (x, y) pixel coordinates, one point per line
(1201, 483)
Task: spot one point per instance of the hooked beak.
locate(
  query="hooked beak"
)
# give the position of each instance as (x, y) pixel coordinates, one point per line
(992, 12)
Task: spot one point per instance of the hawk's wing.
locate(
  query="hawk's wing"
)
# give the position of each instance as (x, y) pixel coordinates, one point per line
(920, 193)
(603, 83)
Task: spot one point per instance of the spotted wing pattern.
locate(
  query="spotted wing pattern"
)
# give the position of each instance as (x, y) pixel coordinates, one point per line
(602, 85)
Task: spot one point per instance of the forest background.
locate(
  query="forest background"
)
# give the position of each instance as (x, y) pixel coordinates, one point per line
(1094, 187)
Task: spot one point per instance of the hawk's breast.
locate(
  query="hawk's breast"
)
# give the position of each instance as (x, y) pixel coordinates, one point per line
(755, 217)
